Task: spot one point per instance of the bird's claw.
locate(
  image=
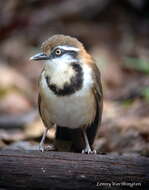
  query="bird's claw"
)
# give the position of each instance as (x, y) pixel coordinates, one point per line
(47, 148)
(41, 148)
(88, 151)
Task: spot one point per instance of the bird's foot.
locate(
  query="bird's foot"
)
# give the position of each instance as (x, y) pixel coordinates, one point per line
(88, 151)
(43, 148)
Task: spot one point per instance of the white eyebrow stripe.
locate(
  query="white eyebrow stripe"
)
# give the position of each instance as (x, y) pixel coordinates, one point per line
(69, 48)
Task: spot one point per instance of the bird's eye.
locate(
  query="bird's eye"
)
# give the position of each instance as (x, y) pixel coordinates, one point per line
(58, 52)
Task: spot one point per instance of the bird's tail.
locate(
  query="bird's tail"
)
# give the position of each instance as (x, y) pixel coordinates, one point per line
(70, 140)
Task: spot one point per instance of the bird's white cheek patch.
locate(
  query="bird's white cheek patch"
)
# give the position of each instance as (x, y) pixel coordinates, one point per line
(64, 59)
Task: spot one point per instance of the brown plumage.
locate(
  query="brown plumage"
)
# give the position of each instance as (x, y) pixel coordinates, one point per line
(60, 39)
(70, 94)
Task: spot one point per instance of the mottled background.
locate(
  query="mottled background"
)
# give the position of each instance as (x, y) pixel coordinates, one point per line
(115, 32)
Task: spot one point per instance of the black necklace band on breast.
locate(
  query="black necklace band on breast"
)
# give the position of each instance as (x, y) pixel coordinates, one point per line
(75, 84)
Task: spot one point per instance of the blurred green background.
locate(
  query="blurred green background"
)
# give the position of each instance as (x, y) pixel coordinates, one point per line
(115, 32)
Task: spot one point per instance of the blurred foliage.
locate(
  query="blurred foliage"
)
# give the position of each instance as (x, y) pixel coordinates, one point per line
(146, 93)
(137, 64)
(128, 102)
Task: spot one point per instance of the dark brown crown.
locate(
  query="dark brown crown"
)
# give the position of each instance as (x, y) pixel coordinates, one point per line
(60, 39)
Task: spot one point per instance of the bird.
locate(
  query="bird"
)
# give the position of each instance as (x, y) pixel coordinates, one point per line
(70, 92)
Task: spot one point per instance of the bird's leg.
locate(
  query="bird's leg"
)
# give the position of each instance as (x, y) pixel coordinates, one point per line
(87, 149)
(41, 145)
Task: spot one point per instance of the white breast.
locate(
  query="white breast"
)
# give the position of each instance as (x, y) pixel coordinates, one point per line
(71, 111)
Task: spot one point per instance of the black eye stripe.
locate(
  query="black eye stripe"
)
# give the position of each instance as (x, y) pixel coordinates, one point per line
(69, 52)
(72, 53)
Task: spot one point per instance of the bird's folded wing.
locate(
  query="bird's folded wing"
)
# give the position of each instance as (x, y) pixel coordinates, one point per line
(97, 91)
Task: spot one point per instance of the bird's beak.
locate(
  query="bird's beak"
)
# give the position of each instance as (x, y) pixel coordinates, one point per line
(39, 56)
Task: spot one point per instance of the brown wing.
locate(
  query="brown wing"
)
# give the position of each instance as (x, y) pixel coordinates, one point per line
(39, 105)
(43, 113)
(97, 81)
(40, 110)
(97, 91)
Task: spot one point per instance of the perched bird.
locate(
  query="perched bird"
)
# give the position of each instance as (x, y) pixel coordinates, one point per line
(70, 92)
